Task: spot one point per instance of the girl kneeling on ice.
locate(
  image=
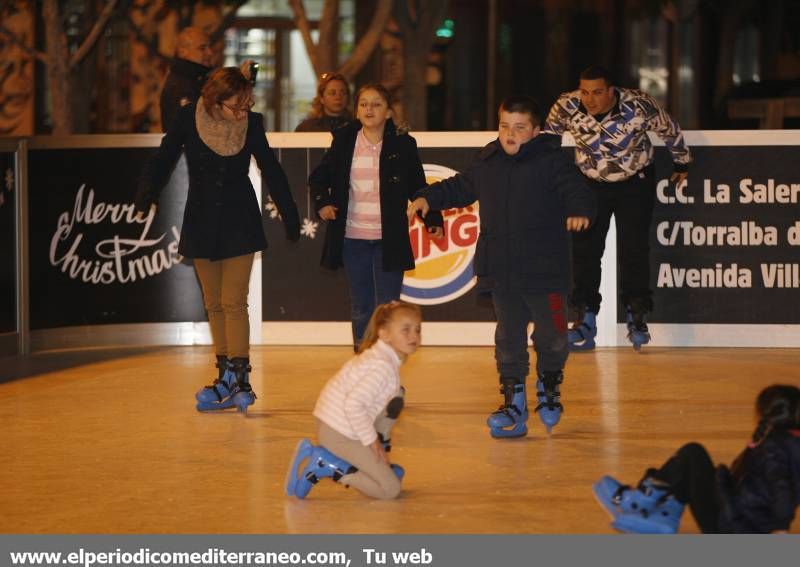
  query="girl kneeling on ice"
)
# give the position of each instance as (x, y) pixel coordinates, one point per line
(357, 409)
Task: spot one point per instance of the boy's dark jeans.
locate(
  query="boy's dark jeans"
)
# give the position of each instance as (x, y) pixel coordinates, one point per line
(514, 310)
(370, 285)
(631, 202)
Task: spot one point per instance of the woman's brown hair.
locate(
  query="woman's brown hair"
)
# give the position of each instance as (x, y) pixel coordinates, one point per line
(381, 317)
(223, 84)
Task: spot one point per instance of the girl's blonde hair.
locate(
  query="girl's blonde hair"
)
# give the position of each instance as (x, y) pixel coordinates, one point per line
(380, 318)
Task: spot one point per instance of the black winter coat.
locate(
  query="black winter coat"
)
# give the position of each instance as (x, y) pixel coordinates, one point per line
(525, 200)
(765, 498)
(401, 175)
(183, 85)
(222, 218)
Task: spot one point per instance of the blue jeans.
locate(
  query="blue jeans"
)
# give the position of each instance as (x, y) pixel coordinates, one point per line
(370, 285)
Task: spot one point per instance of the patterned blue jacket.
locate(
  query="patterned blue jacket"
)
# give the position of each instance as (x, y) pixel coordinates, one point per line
(617, 147)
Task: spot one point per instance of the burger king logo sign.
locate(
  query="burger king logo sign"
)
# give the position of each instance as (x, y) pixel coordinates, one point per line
(443, 269)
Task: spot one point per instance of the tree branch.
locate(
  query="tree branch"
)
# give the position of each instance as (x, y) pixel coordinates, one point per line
(401, 15)
(226, 22)
(148, 42)
(90, 40)
(29, 51)
(328, 41)
(366, 45)
(301, 21)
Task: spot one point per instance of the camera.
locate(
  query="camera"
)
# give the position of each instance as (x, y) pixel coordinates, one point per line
(253, 72)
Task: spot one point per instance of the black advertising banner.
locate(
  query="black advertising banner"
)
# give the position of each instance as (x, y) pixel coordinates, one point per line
(91, 261)
(8, 247)
(726, 249)
(296, 288)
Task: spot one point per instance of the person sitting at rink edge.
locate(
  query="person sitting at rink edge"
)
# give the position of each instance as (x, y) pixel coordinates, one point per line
(329, 108)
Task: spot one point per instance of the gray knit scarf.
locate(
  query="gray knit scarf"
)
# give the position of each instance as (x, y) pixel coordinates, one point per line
(225, 137)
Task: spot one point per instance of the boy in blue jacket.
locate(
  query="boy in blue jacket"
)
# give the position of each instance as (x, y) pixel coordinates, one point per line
(531, 196)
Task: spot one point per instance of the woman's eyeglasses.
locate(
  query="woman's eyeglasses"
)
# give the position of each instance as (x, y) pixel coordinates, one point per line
(239, 109)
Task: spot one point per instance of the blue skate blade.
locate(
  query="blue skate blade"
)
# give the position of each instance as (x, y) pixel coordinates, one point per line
(638, 340)
(501, 420)
(519, 430)
(604, 499)
(301, 452)
(636, 524)
(588, 344)
(215, 406)
(243, 399)
(207, 395)
(549, 418)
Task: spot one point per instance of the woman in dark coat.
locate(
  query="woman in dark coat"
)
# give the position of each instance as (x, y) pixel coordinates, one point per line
(362, 188)
(222, 227)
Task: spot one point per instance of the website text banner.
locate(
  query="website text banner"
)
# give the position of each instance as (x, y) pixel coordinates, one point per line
(394, 551)
(8, 252)
(726, 247)
(91, 261)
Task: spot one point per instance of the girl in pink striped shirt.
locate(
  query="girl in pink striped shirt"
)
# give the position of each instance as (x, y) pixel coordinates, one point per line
(357, 409)
(362, 189)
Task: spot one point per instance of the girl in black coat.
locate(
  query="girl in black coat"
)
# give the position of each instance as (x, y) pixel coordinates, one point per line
(758, 494)
(222, 226)
(362, 188)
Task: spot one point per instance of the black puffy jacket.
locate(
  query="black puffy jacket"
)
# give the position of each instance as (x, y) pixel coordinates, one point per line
(766, 497)
(183, 86)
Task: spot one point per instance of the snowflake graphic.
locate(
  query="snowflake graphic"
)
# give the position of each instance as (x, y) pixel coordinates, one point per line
(309, 228)
(272, 209)
(10, 179)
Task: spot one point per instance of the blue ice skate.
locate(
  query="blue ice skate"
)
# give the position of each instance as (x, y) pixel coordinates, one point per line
(240, 393)
(663, 518)
(581, 336)
(510, 419)
(310, 464)
(617, 498)
(221, 387)
(301, 453)
(548, 394)
(638, 333)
